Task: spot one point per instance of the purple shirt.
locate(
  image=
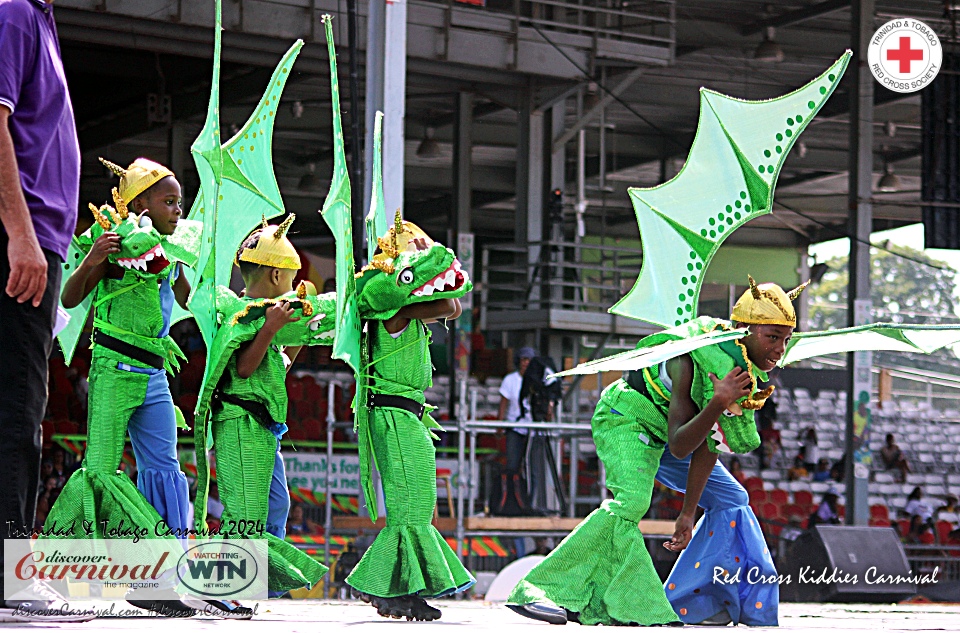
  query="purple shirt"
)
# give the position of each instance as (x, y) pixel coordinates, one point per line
(33, 86)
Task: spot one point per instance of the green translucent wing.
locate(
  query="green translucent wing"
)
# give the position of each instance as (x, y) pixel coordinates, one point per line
(347, 336)
(376, 221)
(727, 180)
(70, 335)
(209, 161)
(651, 356)
(924, 339)
(336, 213)
(238, 189)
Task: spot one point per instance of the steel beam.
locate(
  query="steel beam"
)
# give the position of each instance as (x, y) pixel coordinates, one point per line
(795, 17)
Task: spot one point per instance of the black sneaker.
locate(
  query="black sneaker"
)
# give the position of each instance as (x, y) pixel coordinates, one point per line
(226, 609)
(167, 604)
(542, 611)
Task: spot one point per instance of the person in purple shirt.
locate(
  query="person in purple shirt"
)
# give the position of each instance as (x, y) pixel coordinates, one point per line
(39, 195)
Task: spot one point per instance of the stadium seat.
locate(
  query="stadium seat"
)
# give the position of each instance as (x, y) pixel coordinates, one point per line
(758, 498)
(779, 497)
(879, 512)
(803, 497)
(754, 483)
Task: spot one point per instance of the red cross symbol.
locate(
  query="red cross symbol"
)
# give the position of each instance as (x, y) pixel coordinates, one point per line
(905, 54)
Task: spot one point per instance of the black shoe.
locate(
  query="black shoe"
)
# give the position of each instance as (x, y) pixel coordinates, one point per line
(542, 611)
(170, 607)
(226, 609)
(396, 607)
(421, 611)
(572, 616)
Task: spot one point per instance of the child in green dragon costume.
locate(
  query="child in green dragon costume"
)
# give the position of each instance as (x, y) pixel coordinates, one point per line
(602, 573)
(132, 267)
(412, 281)
(244, 391)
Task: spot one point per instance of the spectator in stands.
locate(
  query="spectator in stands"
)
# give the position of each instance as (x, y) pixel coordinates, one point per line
(46, 469)
(809, 449)
(822, 473)
(949, 512)
(916, 506)
(838, 471)
(736, 469)
(58, 457)
(516, 438)
(893, 458)
(770, 439)
(798, 472)
(826, 513)
(298, 523)
(920, 532)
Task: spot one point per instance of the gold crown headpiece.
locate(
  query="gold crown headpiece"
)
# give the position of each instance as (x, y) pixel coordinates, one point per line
(273, 248)
(766, 304)
(135, 179)
(396, 240)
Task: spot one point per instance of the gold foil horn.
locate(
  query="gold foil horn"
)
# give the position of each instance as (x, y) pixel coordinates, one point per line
(121, 205)
(284, 226)
(754, 290)
(397, 229)
(100, 218)
(115, 168)
(793, 294)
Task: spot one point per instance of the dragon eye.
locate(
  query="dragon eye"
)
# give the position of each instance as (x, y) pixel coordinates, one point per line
(405, 276)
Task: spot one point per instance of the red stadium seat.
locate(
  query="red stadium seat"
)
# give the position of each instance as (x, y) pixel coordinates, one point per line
(758, 497)
(770, 511)
(878, 511)
(779, 497)
(753, 483)
(879, 522)
(803, 497)
(904, 526)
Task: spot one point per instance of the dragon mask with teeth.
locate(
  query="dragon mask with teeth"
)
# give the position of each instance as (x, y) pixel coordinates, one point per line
(410, 268)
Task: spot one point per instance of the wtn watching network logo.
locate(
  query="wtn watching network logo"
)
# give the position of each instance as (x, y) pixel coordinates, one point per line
(224, 569)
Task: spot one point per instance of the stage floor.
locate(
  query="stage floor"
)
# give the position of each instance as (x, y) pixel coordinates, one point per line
(313, 616)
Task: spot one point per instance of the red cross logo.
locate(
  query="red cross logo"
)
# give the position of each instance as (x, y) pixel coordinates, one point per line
(905, 54)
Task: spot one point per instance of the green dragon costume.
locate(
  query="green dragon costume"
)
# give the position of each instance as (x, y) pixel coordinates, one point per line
(601, 573)
(238, 192)
(247, 420)
(128, 385)
(409, 559)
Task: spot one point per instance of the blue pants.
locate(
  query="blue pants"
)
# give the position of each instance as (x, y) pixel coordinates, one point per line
(727, 562)
(278, 507)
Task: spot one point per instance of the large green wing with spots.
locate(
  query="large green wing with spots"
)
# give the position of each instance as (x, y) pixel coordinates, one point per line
(238, 187)
(727, 180)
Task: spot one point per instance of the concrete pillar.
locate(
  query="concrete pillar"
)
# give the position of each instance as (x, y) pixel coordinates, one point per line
(386, 70)
(860, 225)
(530, 179)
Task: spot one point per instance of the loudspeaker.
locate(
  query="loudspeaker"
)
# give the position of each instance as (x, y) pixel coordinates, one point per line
(836, 563)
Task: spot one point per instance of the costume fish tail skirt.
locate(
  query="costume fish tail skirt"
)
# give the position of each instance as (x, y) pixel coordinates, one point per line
(408, 556)
(246, 457)
(602, 570)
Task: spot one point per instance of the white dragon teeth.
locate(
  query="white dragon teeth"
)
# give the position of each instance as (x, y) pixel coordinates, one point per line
(148, 257)
(427, 291)
(324, 334)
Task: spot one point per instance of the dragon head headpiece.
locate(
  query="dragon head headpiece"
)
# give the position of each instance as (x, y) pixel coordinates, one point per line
(135, 179)
(273, 248)
(141, 248)
(410, 268)
(766, 304)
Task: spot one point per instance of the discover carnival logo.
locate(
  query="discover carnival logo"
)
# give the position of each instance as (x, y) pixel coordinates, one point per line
(905, 55)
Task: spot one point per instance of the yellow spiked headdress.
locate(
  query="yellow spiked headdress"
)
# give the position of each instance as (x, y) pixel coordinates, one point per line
(766, 304)
(273, 248)
(400, 237)
(135, 179)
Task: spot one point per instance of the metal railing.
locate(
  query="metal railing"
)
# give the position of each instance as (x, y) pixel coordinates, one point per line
(556, 275)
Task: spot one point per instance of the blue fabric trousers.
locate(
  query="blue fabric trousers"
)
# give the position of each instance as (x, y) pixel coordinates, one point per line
(278, 507)
(727, 565)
